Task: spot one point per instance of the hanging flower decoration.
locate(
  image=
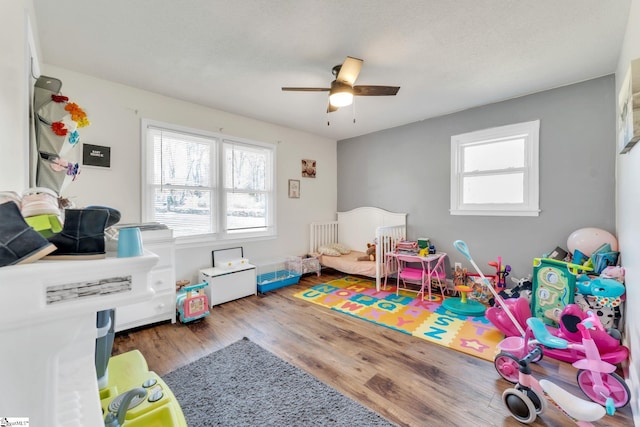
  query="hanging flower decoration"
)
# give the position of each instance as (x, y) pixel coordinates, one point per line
(74, 137)
(59, 128)
(77, 114)
(73, 169)
(59, 98)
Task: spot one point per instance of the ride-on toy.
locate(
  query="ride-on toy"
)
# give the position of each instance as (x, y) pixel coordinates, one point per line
(528, 397)
(596, 378)
(607, 341)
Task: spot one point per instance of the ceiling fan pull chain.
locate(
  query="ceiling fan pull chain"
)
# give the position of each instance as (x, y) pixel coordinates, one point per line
(353, 109)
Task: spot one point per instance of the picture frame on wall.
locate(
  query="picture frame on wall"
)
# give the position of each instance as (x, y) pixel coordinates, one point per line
(308, 168)
(294, 188)
(629, 109)
(96, 155)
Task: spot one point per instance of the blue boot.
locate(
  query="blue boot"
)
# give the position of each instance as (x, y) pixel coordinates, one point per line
(19, 243)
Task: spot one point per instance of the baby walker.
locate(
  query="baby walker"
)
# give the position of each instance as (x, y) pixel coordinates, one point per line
(192, 302)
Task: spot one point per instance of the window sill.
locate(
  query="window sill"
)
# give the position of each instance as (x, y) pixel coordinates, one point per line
(479, 212)
(214, 242)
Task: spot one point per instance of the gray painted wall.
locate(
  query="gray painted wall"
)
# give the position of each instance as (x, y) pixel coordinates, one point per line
(407, 169)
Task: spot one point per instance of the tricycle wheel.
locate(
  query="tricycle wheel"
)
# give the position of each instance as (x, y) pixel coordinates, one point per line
(615, 385)
(507, 366)
(519, 404)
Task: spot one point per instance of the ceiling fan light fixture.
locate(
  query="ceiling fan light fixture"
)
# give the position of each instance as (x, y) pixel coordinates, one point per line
(341, 94)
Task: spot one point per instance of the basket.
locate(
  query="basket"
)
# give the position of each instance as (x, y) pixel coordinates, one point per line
(514, 346)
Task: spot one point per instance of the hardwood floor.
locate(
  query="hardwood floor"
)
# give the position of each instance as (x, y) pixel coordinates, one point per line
(409, 381)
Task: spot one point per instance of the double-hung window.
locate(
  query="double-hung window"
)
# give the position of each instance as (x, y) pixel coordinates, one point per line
(495, 171)
(205, 185)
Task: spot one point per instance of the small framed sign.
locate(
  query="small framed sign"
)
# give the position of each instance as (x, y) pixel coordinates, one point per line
(96, 155)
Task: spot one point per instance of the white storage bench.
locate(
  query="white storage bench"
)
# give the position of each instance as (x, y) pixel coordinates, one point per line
(230, 278)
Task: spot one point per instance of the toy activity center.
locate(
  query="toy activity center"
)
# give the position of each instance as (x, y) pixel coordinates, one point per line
(159, 205)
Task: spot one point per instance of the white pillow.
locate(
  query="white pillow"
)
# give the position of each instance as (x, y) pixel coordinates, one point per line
(328, 250)
(340, 248)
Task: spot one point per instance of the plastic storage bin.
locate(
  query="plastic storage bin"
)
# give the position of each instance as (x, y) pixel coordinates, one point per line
(274, 275)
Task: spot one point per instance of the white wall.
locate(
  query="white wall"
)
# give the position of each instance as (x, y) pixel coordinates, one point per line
(14, 87)
(115, 111)
(628, 216)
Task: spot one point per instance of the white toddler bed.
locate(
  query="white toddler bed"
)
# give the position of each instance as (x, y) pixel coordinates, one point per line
(353, 230)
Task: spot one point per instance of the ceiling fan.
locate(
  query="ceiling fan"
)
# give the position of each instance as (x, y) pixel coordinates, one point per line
(342, 89)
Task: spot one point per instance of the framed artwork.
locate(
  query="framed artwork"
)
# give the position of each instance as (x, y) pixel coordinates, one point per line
(629, 109)
(294, 188)
(308, 168)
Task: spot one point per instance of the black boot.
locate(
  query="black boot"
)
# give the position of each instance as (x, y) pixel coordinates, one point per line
(114, 215)
(19, 243)
(82, 235)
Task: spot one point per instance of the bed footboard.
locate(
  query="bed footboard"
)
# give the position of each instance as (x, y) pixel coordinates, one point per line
(386, 239)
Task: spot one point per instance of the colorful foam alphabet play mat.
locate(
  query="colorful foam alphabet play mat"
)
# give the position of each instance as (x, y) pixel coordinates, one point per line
(406, 313)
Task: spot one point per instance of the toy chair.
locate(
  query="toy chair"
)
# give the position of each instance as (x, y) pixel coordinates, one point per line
(416, 275)
(439, 275)
(411, 274)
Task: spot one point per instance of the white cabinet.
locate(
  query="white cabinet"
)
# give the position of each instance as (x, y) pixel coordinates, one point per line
(162, 305)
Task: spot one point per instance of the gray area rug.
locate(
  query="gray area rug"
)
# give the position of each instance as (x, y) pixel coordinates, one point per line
(245, 385)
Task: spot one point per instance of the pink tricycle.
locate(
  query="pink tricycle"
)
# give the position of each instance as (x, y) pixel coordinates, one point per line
(596, 376)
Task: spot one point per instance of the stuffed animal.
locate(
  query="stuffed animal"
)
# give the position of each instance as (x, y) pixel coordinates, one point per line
(371, 253)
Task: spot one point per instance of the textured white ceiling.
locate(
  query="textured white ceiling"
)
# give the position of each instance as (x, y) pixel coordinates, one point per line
(236, 55)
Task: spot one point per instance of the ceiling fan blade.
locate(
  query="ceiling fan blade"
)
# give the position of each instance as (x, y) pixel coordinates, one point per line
(307, 89)
(375, 90)
(349, 70)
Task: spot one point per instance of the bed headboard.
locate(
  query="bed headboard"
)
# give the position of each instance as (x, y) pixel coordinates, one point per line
(357, 227)
(354, 228)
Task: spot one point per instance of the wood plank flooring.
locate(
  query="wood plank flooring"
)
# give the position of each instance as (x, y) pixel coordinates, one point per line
(409, 381)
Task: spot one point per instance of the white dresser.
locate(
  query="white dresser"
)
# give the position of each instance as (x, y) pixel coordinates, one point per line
(162, 305)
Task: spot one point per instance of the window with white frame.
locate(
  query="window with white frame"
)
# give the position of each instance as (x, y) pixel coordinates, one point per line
(207, 185)
(495, 171)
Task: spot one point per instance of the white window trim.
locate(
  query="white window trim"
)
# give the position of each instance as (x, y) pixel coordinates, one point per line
(530, 207)
(146, 205)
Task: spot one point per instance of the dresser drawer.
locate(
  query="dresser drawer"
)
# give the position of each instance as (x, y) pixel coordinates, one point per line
(162, 279)
(161, 307)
